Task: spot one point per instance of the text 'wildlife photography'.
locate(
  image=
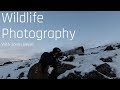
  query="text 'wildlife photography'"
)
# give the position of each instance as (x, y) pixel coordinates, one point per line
(59, 44)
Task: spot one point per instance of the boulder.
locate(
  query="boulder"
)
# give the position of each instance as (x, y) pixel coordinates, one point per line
(21, 75)
(79, 50)
(108, 48)
(7, 63)
(118, 46)
(94, 52)
(27, 65)
(108, 59)
(35, 72)
(93, 75)
(64, 67)
(61, 68)
(8, 76)
(106, 70)
(73, 76)
(103, 71)
(20, 67)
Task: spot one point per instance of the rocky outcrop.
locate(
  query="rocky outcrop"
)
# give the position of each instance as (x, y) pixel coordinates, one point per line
(93, 75)
(8, 76)
(6, 63)
(94, 52)
(64, 67)
(108, 59)
(106, 70)
(118, 46)
(75, 75)
(21, 75)
(102, 71)
(108, 48)
(20, 67)
(78, 50)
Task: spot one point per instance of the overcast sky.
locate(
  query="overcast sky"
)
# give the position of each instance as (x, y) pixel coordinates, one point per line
(92, 28)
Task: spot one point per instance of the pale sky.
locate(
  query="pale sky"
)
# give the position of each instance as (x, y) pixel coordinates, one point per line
(92, 28)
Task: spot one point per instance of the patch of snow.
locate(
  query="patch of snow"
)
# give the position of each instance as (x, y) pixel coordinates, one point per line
(84, 63)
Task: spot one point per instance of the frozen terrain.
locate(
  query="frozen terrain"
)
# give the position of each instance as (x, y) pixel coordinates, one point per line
(83, 63)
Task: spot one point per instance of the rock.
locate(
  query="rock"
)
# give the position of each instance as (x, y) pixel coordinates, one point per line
(21, 75)
(76, 72)
(94, 65)
(61, 68)
(70, 58)
(27, 65)
(73, 76)
(36, 73)
(94, 52)
(106, 70)
(8, 75)
(93, 75)
(7, 63)
(108, 48)
(108, 59)
(20, 67)
(64, 67)
(118, 46)
(79, 50)
(115, 55)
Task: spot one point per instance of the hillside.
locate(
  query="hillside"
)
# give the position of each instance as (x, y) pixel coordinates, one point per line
(101, 62)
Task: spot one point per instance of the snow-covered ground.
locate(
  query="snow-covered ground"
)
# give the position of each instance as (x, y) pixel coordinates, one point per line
(15, 69)
(83, 63)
